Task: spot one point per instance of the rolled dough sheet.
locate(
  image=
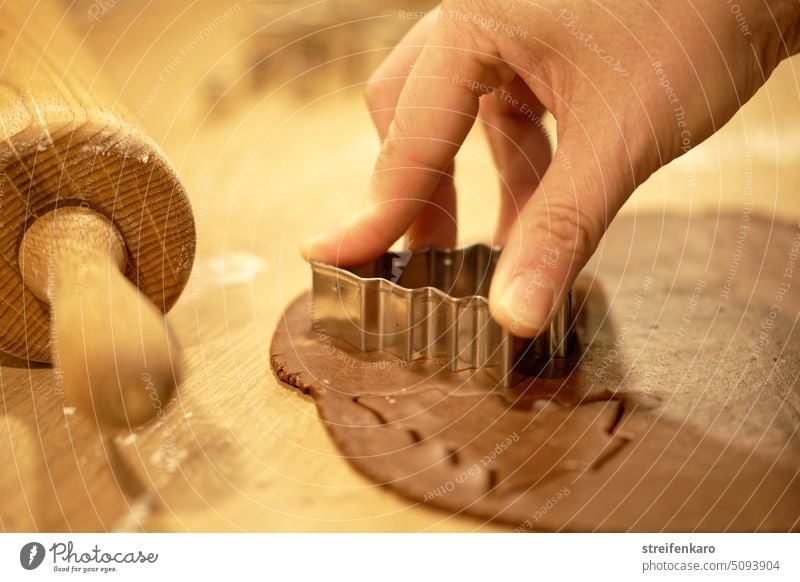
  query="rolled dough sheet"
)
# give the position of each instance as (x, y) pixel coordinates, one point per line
(679, 413)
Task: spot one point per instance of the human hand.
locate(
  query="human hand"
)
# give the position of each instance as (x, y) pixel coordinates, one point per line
(630, 85)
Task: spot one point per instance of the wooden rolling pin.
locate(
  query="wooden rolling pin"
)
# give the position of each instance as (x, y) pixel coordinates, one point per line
(96, 232)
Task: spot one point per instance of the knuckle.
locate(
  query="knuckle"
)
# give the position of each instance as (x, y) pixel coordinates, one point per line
(400, 151)
(566, 227)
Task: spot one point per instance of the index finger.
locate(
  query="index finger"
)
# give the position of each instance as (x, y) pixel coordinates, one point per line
(435, 111)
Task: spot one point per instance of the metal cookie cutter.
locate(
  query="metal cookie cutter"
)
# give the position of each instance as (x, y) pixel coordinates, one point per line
(432, 304)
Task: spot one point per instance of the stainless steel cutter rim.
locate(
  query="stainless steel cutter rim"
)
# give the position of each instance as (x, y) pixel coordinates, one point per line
(486, 254)
(376, 313)
(426, 292)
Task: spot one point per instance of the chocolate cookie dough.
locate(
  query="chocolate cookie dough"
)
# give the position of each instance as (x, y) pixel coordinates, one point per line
(679, 413)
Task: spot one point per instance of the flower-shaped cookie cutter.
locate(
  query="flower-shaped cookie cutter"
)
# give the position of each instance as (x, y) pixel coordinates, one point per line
(432, 304)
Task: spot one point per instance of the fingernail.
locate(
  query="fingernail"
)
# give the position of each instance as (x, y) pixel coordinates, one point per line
(310, 247)
(306, 247)
(526, 304)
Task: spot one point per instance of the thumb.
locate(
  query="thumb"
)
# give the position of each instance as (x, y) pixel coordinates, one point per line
(557, 232)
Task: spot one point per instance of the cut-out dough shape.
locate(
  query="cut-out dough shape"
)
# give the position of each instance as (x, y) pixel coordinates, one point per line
(678, 415)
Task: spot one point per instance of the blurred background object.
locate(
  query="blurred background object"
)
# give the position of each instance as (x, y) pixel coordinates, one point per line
(310, 48)
(199, 60)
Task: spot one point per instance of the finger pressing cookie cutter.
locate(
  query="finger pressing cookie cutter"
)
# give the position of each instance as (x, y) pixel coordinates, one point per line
(432, 304)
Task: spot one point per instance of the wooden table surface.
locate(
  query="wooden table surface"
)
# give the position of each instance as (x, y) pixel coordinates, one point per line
(270, 151)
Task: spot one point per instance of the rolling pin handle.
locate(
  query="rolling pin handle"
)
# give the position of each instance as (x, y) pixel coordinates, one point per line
(111, 345)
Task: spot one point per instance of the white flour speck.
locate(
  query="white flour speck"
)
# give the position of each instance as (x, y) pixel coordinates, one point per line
(228, 270)
(127, 439)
